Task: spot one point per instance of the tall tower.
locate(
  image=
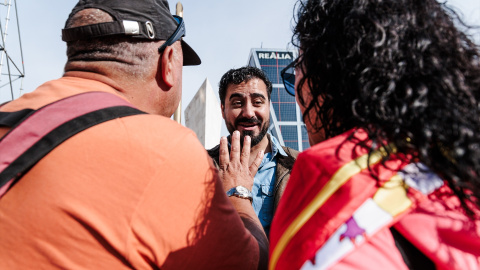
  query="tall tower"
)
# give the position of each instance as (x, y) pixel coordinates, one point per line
(285, 118)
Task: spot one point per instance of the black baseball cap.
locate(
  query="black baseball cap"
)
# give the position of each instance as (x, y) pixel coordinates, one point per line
(144, 19)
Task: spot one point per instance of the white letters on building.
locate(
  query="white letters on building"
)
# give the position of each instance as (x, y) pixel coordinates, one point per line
(274, 55)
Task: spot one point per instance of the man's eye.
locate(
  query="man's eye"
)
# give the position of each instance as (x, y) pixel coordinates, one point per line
(236, 103)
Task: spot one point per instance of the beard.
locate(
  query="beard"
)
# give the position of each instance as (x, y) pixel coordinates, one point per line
(255, 139)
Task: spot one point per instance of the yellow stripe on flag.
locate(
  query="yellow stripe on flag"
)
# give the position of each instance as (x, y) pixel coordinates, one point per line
(392, 196)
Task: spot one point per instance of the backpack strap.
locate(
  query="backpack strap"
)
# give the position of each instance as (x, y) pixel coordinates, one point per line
(35, 134)
(10, 119)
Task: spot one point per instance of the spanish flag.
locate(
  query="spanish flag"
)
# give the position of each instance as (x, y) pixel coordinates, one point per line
(329, 202)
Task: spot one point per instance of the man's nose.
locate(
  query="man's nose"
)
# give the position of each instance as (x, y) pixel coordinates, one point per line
(248, 110)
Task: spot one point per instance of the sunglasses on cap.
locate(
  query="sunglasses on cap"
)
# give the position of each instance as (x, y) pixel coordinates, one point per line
(288, 77)
(178, 34)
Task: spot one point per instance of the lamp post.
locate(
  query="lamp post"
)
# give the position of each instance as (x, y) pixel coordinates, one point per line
(177, 116)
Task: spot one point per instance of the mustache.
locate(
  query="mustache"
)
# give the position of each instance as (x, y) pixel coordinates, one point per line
(252, 120)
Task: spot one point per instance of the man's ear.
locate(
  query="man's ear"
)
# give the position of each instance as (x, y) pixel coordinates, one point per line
(167, 62)
(222, 107)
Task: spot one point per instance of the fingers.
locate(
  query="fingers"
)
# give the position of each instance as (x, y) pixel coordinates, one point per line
(235, 150)
(234, 164)
(238, 155)
(224, 156)
(245, 157)
(256, 163)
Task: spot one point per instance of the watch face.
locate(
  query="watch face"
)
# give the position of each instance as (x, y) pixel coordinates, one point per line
(242, 189)
(241, 192)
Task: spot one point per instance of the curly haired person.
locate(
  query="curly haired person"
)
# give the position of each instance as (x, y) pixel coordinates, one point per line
(389, 92)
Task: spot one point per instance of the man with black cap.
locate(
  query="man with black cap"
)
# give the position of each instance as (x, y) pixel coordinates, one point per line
(123, 194)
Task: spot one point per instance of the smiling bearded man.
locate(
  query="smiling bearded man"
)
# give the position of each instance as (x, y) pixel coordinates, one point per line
(247, 109)
(245, 103)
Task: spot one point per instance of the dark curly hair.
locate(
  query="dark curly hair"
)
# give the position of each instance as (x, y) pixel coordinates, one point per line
(239, 75)
(402, 71)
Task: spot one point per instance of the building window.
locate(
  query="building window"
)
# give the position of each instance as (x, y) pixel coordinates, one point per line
(290, 136)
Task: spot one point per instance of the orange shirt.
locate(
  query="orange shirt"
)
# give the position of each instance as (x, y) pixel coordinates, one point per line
(136, 192)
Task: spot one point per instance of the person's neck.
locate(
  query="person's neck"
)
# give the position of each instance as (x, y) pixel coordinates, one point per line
(141, 93)
(264, 145)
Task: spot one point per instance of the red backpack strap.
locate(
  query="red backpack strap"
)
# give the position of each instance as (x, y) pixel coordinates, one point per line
(40, 131)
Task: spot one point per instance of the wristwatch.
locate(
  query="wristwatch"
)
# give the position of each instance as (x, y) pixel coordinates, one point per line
(240, 192)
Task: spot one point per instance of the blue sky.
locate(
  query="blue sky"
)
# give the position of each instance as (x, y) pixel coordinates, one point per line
(221, 32)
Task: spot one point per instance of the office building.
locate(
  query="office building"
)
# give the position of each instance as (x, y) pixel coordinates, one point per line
(285, 118)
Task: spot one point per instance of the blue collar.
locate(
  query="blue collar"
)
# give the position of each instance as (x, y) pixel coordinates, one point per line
(276, 147)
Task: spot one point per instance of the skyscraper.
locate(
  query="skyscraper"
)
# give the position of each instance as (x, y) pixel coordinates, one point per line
(285, 118)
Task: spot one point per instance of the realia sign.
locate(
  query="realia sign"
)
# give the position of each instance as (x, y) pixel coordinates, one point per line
(275, 55)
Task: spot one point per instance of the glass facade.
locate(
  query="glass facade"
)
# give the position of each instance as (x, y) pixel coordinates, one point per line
(284, 105)
(290, 136)
(285, 118)
(305, 141)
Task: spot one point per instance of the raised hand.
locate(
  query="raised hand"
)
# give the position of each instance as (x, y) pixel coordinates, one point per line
(235, 169)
